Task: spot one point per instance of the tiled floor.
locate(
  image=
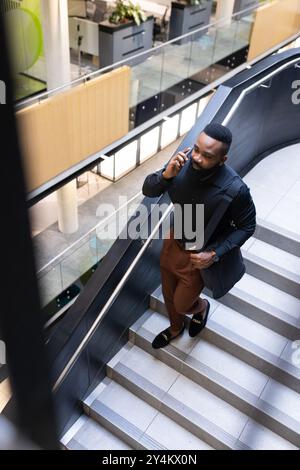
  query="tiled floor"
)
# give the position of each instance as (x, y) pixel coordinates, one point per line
(275, 188)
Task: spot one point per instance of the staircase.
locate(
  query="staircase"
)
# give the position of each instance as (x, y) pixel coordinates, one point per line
(234, 386)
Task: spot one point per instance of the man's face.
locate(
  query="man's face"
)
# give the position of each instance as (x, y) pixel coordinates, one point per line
(207, 153)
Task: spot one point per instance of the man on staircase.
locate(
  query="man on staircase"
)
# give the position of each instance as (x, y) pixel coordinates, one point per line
(191, 178)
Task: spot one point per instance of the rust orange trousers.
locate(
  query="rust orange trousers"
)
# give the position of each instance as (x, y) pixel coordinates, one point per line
(181, 283)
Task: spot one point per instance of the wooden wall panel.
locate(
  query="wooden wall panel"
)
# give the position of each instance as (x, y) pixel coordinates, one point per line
(61, 131)
(274, 23)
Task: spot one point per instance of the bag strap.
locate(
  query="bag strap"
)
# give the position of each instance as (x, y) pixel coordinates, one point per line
(230, 193)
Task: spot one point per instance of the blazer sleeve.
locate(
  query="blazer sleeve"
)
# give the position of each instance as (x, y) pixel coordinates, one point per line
(155, 184)
(242, 212)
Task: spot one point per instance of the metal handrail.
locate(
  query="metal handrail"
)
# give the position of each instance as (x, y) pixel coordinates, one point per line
(109, 302)
(102, 222)
(93, 328)
(88, 76)
(255, 85)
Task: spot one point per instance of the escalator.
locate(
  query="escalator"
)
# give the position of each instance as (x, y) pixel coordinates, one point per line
(236, 386)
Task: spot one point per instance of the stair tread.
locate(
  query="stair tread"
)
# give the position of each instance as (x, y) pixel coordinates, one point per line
(212, 408)
(259, 437)
(257, 338)
(235, 375)
(271, 297)
(143, 420)
(187, 393)
(242, 331)
(89, 435)
(271, 254)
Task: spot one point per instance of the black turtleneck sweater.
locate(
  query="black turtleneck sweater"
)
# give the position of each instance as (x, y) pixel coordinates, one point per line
(206, 187)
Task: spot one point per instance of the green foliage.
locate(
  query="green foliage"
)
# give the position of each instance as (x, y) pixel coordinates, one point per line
(194, 2)
(127, 11)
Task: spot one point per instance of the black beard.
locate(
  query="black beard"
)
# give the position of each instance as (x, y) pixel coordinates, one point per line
(205, 173)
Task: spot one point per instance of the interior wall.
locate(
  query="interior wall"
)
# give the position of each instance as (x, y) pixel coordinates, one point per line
(61, 131)
(274, 23)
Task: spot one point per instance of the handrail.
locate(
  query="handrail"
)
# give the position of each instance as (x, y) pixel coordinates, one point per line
(86, 339)
(113, 296)
(90, 75)
(87, 233)
(255, 85)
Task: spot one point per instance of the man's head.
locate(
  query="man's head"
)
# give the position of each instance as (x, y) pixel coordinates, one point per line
(211, 146)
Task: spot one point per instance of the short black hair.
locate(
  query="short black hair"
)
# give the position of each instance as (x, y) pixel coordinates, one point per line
(217, 131)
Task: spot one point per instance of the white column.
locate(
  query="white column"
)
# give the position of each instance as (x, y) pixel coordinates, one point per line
(67, 208)
(57, 53)
(56, 42)
(224, 10)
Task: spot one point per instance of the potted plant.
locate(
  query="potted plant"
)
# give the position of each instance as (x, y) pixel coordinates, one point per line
(189, 15)
(126, 12)
(127, 32)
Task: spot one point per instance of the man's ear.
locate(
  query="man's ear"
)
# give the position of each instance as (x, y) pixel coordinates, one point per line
(223, 160)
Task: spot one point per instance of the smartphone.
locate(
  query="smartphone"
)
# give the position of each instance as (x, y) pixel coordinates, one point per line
(188, 153)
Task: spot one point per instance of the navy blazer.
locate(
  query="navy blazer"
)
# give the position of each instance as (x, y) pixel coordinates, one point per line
(239, 221)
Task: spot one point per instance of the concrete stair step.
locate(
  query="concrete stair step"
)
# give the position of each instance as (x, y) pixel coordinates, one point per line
(257, 300)
(135, 422)
(277, 236)
(224, 375)
(267, 305)
(87, 434)
(255, 344)
(272, 265)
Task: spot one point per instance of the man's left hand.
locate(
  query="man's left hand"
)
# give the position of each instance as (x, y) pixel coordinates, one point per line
(202, 260)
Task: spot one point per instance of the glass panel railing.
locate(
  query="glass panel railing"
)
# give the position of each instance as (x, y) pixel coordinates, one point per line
(75, 265)
(202, 51)
(244, 27)
(224, 44)
(146, 77)
(169, 64)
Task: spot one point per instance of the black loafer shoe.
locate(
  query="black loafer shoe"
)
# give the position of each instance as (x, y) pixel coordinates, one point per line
(164, 337)
(198, 322)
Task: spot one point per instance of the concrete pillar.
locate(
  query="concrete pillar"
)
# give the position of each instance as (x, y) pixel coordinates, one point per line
(224, 10)
(57, 54)
(56, 42)
(67, 208)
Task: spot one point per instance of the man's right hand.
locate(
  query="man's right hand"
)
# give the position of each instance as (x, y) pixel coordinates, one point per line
(175, 164)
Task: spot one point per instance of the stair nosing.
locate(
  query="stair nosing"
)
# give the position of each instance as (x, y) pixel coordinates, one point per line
(236, 392)
(268, 265)
(165, 407)
(121, 427)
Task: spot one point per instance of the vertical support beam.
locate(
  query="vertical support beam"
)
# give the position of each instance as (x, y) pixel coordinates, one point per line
(224, 10)
(57, 53)
(21, 324)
